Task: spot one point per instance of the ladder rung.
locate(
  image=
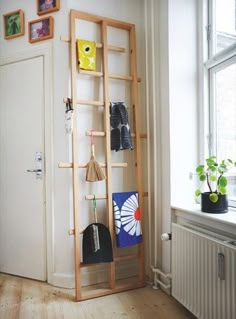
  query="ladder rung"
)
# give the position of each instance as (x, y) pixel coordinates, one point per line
(123, 77)
(72, 232)
(122, 258)
(120, 77)
(97, 133)
(98, 45)
(87, 102)
(91, 197)
(83, 165)
(87, 265)
(93, 73)
(94, 133)
(111, 76)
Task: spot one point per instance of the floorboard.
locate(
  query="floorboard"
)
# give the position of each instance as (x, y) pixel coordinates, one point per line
(22, 298)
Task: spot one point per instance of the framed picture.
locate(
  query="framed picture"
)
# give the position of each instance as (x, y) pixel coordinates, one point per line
(41, 29)
(47, 6)
(14, 24)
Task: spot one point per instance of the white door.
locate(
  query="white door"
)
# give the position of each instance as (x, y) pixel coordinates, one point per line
(22, 195)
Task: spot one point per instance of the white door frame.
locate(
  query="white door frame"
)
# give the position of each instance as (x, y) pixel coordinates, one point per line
(45, 51)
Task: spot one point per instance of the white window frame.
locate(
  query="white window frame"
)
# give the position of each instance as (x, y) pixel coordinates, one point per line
(211, 63)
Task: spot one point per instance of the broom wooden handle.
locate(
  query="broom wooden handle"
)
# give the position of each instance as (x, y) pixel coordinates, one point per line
(92, 150)
(95, 208)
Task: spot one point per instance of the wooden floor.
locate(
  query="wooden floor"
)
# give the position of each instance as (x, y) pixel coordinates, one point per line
(28, 299)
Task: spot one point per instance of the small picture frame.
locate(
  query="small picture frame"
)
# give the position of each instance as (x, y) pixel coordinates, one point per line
(47, 6)
(41, 29)
(14, 25)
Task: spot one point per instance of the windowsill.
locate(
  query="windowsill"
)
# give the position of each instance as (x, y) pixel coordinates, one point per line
(192, 213)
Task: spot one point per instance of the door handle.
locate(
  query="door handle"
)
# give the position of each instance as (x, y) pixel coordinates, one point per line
(38, 163)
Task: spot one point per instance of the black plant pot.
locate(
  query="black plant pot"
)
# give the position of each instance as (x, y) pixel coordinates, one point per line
(220, 207)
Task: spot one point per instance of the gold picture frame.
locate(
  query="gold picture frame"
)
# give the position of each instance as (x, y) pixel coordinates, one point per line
(41, 29)
(14, 25)
(47, 6)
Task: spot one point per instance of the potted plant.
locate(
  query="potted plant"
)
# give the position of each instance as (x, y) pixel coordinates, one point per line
(214, 200)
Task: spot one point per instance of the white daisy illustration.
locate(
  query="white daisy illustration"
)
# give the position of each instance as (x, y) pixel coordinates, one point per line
(130, 216)
(117, 217)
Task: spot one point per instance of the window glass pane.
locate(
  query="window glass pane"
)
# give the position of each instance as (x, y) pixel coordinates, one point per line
(225, 103)
(225, 24)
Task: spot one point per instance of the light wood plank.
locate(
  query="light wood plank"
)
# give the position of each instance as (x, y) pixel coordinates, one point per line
(84, 165)
(98, 19)
(98, 45)
(97, 133)
(76, 208)
(105, 196)
(91, 73)
(109, 203)
(138, 167)
(93, 103)
(91, 197)
(22, 298)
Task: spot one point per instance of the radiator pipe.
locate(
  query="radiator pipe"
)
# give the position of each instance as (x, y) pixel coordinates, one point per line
(157, 272)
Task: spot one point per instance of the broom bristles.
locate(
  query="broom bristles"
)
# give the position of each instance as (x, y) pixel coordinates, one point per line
(94, 172)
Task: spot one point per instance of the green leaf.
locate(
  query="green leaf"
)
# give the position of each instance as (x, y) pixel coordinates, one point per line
(213, 197)
(212, 178)
(202, 177)
(210, 162)
(223, 181)
(222, 190)
(197, 192)
(212, 168)
(229, 160)
(200, 168)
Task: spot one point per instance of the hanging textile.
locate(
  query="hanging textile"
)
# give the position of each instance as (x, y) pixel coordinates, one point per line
(86, 54)
(120, 130)
(127, 219)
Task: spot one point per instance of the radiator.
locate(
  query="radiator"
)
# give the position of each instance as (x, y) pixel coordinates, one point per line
(204, 272)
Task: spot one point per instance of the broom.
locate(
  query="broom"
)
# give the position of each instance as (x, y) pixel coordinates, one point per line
(94, 172)
(95, 234)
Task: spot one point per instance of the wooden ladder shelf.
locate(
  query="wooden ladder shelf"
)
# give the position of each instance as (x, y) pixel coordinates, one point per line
(113, 285)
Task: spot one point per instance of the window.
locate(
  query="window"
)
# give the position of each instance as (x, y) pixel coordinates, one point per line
(221, 70)
(222, 25)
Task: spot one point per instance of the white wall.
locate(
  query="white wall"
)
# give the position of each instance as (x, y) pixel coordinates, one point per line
(183, 18)
(172, 77)
(61, 263)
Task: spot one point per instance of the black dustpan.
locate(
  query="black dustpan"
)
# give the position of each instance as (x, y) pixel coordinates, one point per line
(97, 246)
(104, 253)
